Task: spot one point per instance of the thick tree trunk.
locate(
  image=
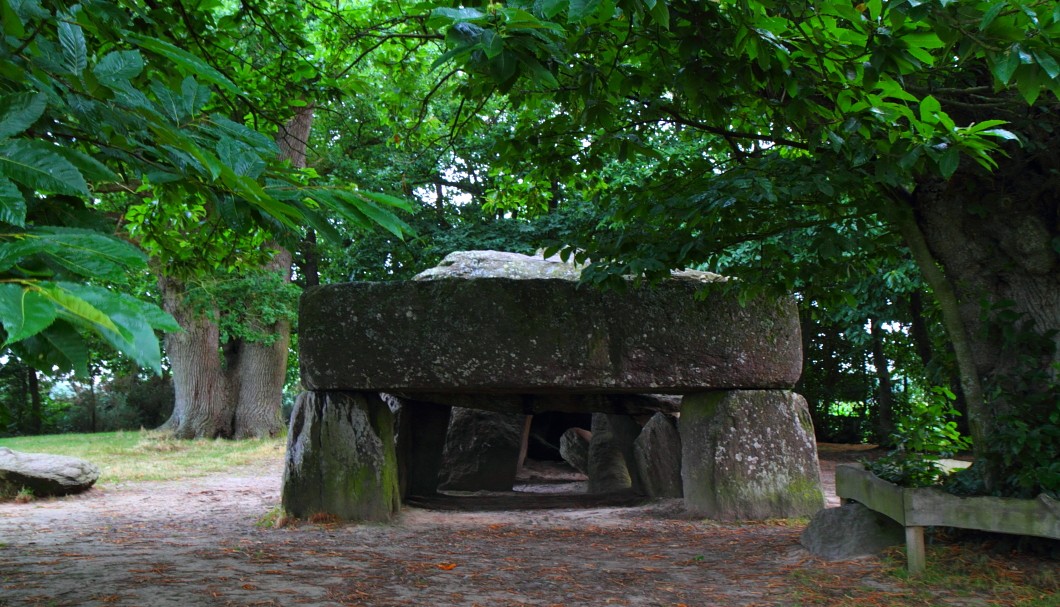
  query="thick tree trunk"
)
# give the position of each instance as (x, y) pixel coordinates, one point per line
(993, 236)
(200, 409)
(259, 370)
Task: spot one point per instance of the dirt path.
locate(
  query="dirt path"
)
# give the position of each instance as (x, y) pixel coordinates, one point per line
(196, 542)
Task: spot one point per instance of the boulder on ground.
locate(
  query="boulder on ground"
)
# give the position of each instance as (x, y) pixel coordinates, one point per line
(482, 450)
(850, 531)
(44, 474)
(749, 454)
(505, 333)
(341, 458)
(657, 453)
(574, 448)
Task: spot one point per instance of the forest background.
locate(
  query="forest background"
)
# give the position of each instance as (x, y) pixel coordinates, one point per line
(188, 168)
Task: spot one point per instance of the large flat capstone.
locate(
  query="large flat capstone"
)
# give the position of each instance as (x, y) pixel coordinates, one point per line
(520, 336)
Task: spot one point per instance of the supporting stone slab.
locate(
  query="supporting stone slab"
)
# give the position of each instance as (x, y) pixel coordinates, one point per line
(749, 455)
(482, 450)
(421, 435)
(657, 452)
(611, 464)
(340, 458)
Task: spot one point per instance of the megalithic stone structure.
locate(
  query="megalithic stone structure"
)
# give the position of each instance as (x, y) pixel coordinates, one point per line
(518, 334)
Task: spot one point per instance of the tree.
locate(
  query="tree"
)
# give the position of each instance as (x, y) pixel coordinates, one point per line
(815, 113)
(90, 138)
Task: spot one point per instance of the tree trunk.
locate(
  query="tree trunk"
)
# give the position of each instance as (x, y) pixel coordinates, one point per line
(884, 392)
(200, 409)
(260, 370)
(36, 409)
(993, 236)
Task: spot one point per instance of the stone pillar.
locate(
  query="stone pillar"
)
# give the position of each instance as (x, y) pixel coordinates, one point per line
(340, 457)
(421, 435)
(482, 450)
(749, 454)
(657, 452)
(611, 463)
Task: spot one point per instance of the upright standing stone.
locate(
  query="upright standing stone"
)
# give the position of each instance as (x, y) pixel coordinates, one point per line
(657, 452)
(482, 450)
(749, 455)
(421, 436)
(341, 458)
(611, 465)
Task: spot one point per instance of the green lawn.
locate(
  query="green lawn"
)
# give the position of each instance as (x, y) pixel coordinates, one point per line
(150, 455)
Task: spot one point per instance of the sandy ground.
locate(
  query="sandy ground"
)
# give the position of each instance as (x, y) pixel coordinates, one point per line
(198, 542)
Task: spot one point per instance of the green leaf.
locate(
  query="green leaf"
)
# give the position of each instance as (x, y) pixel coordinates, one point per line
(549, 8)
(117, 68)
(1002, 134)
(92, 169)
(1029, 84)
(949, 161)
(195, 96)
(991, 14)
(1047, 63)
(68, 344)
(75, 54)
(77, 310)
(579, 10)
(90, 254)
(24, 312)
(12, 204)
(1005, 65)
(440, 17)
(186, 60)
(661, 13)
(19, 111)
(38, 166)
(929, 108)
(133, 334)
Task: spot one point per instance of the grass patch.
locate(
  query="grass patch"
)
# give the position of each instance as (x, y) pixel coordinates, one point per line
(957, 574)
(151, 455)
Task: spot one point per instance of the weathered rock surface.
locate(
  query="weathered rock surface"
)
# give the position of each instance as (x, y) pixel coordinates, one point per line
(44, 474)
(469, 334)
(657, 453)
(611, 466)
(421, 433)
(850, 531)
(533, 404)
(482, 450)
(341, 458)
(574, 448)
(499, 264)
(749, 455)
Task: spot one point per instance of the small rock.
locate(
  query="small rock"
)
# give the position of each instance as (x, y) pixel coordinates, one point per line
(574, 448)
(44, 474)
(850, 531)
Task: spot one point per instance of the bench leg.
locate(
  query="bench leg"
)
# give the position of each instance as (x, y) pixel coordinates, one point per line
(914, 549)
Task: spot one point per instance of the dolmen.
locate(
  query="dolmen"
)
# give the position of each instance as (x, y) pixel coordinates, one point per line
(689, 387)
